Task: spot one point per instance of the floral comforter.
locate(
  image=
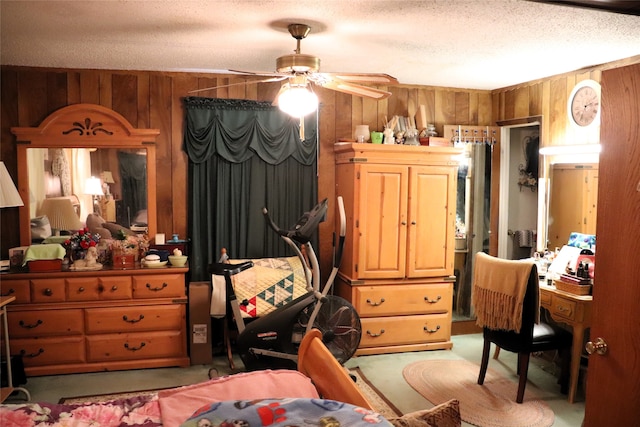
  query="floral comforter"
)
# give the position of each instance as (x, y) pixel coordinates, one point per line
(142, 411)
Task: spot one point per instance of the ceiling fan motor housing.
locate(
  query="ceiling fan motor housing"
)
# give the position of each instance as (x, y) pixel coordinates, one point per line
(298, 63)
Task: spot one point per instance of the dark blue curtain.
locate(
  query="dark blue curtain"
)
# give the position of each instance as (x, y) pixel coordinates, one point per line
(243, 156)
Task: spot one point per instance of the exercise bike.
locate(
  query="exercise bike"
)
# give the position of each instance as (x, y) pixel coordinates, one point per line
(272, 341)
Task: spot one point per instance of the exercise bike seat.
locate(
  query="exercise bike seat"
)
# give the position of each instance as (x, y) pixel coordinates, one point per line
(222, 269)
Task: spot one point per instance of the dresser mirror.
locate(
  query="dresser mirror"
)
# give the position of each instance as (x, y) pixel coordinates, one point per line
(573, 201)
(81, 141)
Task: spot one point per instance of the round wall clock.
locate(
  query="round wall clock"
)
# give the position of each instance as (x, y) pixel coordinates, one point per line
(583, 106)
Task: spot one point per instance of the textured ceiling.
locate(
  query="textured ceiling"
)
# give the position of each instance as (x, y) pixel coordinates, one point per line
(478, 44)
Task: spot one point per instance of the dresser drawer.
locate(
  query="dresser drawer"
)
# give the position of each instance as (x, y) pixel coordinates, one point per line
(41, 323)
(375, 301)
(386, 331)
(49, 351)
(159, 286)
(149, 345)
(17, 288)
(98, 288)
(562, 307)
(135, 319)
(47, 290)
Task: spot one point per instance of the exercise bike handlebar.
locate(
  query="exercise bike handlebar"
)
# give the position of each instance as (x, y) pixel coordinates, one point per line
(306, 225)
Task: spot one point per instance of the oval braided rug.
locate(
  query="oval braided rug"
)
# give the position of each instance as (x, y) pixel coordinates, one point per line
(490, 405)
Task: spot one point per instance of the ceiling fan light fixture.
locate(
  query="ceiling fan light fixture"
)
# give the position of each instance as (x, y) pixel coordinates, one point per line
(297, 100)
(298, 63)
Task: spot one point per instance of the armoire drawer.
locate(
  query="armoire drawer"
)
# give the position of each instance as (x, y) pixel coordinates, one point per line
(159, 286)
(99, 288)
(148, 345)
(44, 323)
(135, 318)
(376, 301)
(388, 331)
(50, 351)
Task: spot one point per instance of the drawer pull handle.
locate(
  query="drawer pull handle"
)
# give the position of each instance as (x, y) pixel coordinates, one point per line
(23, 353)
(48, 292)
(114, 288)
(35, 325)
(164, 285)
(126, 345)
(563, 309)
(81, 289)
(126, 319)
(433, 301)
(375, 335)
(375, 304)
(11, 291)
(431, 331)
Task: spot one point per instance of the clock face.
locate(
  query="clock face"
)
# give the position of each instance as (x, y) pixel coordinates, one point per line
(585, 105)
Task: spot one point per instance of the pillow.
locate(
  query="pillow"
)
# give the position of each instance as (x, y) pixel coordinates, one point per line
(114, 229)
(94, 221)
(178, 404)
(40, 228)
(284, 412)
(446, 414)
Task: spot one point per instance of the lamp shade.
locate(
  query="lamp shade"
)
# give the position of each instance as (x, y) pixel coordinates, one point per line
(297, 100)
(61, 214)
(107, 177)
(93, 186)
(9, 195)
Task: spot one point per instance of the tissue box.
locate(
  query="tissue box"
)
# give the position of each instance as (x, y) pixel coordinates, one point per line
(44, 265)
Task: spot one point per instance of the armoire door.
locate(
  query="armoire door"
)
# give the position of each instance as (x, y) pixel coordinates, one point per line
(382, 221)
(431, 234)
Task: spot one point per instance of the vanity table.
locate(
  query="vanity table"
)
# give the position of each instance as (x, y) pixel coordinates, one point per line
(575, 311)
(87, 321)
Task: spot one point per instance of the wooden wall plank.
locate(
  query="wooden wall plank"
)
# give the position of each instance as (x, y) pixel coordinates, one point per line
(89, 87)
(160, 118)
(124, 94)
(461, 100)
(143, 99)
(521, 102)
(105, 89)
(73, 88)
(56, 90)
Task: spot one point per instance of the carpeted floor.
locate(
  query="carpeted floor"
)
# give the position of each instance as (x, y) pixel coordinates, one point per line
(489, 405)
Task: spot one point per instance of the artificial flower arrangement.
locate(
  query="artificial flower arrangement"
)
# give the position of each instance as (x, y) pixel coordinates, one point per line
(82, 239)
(128, 244)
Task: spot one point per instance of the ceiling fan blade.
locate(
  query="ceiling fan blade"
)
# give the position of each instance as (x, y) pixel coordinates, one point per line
(258, 73)
(373, 78)
(354, 89)
(269, 80)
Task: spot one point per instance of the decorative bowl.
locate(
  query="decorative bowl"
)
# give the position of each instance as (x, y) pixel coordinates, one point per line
(177, 261)
(155, 264)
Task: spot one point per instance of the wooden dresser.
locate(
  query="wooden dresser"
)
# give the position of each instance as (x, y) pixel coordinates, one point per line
(397, 267)
(69, 322)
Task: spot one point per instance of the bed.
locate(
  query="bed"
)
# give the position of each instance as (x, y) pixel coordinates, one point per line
(320, 392)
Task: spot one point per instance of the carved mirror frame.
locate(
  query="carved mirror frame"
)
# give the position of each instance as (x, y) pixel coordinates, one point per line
(84, 126)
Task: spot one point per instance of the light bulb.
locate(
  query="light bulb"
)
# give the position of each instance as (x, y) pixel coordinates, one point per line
(298, 101)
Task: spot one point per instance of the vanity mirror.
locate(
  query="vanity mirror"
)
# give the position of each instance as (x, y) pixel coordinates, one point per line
(573, 201)
(80, 141)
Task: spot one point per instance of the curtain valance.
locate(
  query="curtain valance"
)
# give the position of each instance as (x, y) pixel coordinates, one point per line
(237, 129)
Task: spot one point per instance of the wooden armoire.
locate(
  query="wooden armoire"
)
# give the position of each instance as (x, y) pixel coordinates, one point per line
(397, 266)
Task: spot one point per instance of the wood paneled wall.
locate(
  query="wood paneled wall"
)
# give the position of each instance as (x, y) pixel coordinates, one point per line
(151, 99)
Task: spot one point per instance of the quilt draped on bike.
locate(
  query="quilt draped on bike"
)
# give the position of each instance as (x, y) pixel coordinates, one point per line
(270, 283)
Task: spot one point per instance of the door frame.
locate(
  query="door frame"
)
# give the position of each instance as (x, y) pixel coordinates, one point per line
(505, 182)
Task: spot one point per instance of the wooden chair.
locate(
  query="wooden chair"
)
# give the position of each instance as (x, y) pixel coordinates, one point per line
(316, 361)
(532, 337)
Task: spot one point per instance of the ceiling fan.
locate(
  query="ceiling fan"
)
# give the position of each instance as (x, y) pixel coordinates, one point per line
(299, 70)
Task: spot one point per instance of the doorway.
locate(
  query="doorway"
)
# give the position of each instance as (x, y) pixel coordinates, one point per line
(520, 202)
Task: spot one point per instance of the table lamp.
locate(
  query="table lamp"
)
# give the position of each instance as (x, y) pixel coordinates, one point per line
(9, 196)
(61, 214)
(93, 186)
(107, 178)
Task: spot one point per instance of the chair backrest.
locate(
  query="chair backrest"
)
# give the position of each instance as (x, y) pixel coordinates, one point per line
(329, 377)
(530, 312)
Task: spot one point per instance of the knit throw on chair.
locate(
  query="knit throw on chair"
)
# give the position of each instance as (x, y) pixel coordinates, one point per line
(498, 293)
